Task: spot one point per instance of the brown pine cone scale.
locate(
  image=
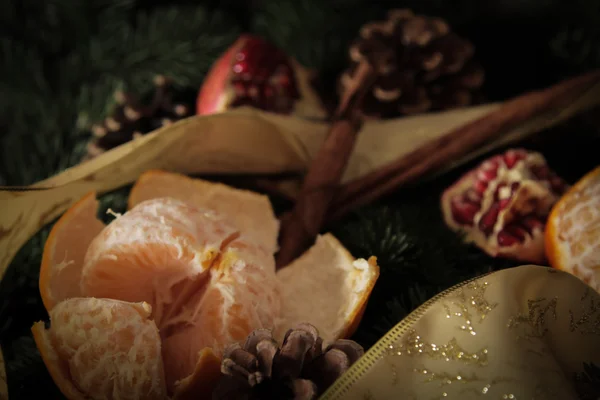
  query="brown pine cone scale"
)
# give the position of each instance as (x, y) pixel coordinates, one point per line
(421, 66)
(299, 369)
(132, 118)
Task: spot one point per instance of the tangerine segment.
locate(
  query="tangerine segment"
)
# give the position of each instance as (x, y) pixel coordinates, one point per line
(103, 349)
(222, 317)
(573, 231)
(151, 252)
(250, 212)
(208, 284)
(56, 367)
(241, 296)
(327, 287)
(203, 380)
(64, 251)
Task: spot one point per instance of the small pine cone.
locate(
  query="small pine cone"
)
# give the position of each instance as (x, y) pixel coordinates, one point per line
(300, 369)
(131, 118)
(421, 66)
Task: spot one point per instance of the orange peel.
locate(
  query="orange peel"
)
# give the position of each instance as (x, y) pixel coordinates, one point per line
(572, 236)
(193, 256)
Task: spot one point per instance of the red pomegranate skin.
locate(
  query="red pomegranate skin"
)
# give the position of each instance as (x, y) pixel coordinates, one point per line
(255, 73)
(502, 205)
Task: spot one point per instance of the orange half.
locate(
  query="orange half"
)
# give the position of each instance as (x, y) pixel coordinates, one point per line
(572, 238)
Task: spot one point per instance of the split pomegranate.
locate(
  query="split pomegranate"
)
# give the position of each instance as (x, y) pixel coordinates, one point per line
(255, 73)
(502, 205)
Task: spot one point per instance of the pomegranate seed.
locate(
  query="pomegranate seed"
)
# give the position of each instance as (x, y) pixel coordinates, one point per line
(241, 67)
(532, 222)
(240, 88)
(505, 239)
(514, 186)
(480, 186)
(511, 157)
(516, 231)
(463, 211)
(472, 196)
(487, 174)
(240, 56)
(283, 81)
(268, 91)
(261, 74)
(503, 203)
(242, 53)
(253, 91)
(492, 163)
(488, 220)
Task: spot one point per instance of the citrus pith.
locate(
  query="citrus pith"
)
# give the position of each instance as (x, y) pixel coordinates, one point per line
(572, 238)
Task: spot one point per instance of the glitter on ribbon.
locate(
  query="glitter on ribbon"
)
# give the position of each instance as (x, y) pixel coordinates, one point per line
(588, 321)
(414, 345)
(470, 305)
(534, 321)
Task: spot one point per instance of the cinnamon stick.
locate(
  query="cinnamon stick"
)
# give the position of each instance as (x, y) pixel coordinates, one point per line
(301, 226)
(455, 144)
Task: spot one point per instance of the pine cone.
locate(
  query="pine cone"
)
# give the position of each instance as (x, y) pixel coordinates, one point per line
(300, 369)
(421, 65)
(131, 118)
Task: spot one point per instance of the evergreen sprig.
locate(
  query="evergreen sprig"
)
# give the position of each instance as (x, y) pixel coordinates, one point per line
(316, 33)
(54, 26)
(577, 40)
(20, 301)
(587, 382)
(45, 119)
(27, 374)
(418, 256)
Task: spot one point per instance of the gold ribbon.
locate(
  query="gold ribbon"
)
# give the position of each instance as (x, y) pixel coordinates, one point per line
(520, 333)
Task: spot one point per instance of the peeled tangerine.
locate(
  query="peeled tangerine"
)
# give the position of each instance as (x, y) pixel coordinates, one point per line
(502, 205)
(143, 307)
(573, 231)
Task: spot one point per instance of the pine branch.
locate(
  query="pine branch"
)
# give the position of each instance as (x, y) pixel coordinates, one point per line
(116, 201)
(49, 132)
(180, 42)
(23, 81)
(418, 256)
(577, 40)
(392, 312)
(24, 367)
(54, 26)
(317, 33)
(42, 144)
(20, 301)
(587, 382)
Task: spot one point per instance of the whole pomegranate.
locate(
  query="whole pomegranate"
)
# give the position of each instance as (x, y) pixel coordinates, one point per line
(254, 72)
(502, 205)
